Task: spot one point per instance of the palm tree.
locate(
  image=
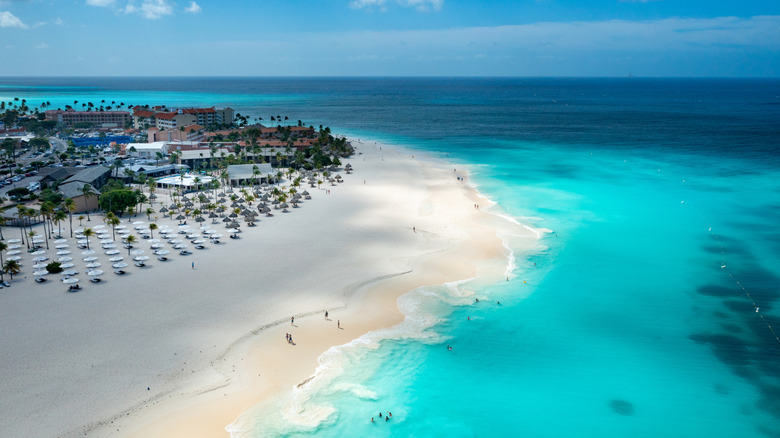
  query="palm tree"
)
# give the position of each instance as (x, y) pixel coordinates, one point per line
(3, 221)
(31, 235)
(114, 221)
(152, 227)
(88, 192)
(117, 164)
(11, 267)
(47, 211)
(149, 213)
(130, 241)
(21, 213)
(59, 216)
(70, 205)
(81, 218)
(87, 233)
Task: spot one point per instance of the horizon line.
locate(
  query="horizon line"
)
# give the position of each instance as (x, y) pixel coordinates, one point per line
(626, 76)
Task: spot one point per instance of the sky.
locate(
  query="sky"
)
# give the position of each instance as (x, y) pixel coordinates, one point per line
(573, 38)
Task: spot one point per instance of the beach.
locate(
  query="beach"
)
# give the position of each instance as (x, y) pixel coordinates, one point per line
(176, 349)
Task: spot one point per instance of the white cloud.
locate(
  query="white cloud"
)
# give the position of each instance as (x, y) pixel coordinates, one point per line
(423, 5)
(155, 9)
(150, 9)
(41, 46)
(193, 8)
(420, 5)
(8, 19)
(101, 3)
(59, 21)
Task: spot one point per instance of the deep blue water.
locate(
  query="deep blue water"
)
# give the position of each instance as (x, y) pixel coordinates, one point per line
(636, 316)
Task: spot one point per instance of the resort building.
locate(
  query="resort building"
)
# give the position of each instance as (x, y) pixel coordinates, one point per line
(74, 190)
(249, 174)
(185, 182)
(295, 131)
(199, 158)
(208, 116)
(143, 119)
(174, 120)
(147, 150)
(155, 171)
(51, 175)
(104, 119)
(96, 176)
(190, 133)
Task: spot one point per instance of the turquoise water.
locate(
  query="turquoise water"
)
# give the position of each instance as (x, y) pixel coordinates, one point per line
(612, 309)
(635, 316)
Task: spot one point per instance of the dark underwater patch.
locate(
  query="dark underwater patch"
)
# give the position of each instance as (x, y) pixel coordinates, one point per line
(727, 348)
(732, 328)
(622, 407)
(712, 290)
(740, 306)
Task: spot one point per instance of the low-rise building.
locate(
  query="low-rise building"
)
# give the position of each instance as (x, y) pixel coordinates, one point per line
(147, 150)
(74, 190)
(248, 174)
(156, 171)
(174, 120)
(105, 119)
(189, 133)
(96, 176)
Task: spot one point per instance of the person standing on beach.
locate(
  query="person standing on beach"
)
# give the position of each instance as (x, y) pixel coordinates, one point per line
(292, 320)
(193, 265)
(339, 323)
(326, 314)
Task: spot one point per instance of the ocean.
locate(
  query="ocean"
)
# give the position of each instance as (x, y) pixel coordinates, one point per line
(648, 310)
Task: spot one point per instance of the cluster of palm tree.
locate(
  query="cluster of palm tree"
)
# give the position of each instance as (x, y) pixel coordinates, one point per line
(51, 215)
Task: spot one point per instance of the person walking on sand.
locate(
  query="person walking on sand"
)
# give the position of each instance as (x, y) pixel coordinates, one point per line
(193, 265)
(339, 323)
(326, 314)
(292, 320)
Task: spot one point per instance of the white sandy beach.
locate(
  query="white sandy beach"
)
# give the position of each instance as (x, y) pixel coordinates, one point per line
(173, 351)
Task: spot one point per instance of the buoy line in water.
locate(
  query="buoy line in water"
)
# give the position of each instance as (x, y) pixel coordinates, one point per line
(724, 267)
(744, 289)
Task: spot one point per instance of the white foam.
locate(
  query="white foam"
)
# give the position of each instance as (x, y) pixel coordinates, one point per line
(299, 412)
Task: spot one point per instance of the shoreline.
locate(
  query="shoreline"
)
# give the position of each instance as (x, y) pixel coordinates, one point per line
(265, 372)
(175, 351)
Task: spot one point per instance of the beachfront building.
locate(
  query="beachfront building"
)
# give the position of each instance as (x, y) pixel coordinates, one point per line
(155, 171)
(294, 131)
(51, 175)
(249, 174)
(104, 119)
(209, 116)
(185, 182)
(174, 120)
(144, 118)
(74, 190)
(201, 157)
(147, 150)
(96, 176)
(189, 133)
